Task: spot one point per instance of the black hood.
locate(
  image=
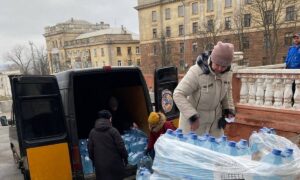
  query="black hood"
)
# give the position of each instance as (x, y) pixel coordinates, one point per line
(102, 124)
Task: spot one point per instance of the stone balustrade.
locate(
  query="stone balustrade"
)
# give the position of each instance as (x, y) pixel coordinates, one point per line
(269, 87)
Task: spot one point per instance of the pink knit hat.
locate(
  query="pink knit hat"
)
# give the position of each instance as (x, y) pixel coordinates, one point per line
(222, 54)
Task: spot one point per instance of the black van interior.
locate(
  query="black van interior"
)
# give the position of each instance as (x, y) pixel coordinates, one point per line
(92, 92)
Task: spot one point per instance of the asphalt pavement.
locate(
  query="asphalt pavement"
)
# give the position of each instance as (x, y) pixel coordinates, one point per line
(8, 169)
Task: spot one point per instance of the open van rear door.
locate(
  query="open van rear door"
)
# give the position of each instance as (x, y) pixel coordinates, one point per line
(165, 81)
(41, 126)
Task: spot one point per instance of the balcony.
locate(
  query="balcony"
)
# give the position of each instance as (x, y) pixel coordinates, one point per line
(263, 96)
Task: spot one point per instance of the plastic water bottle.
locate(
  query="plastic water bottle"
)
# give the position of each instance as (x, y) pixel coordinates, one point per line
(170, 134)
(243, 148)
(178, 130)
(82, 145)
(232, 149)
(143, 174)
(211, 144)
(193, 139)
(133, 158)
(87, 164)
(272, 131)
(222, 144)
(257, 147)
(272, 158)
(180, 137)
(145, 162)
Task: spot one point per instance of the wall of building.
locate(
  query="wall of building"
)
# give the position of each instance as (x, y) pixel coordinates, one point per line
(255, 54)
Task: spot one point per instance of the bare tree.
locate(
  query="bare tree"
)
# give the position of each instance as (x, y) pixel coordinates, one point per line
(31, 60)
(40, 59)
(208, 32)
(19, 56)
(238, 26)
(165, 55)
(268, 14)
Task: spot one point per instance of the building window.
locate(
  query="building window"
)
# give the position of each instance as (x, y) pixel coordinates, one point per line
(246, 43)
(154, 33)
(168, 31)
(288, 39)
(248, 1)
(228, 23)
(167, 13)
(210, 5)
(154, 16)
(210, 25)
(137, 50)
(119, 63)
(138, 62)
(194, 47)
(228, 3)
(180, 30)
(119, 53)
(95, 52)
(129, 51)
(169, 48)
(154, 49)
(247, 20)
(181, 47)
(290, 13)
(195, 27)
(194, 8)
(129, 62)
(269, 17)
(102, 52)
(180, 11)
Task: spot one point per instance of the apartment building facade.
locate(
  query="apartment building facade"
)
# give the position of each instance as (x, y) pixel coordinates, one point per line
(80, 44)
(175, 32)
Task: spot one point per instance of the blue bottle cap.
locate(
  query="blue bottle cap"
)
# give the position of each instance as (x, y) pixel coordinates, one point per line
(276, 152)
(244, 142)
(180, 135)
(194, 136)
(212, 139)
(178, 130)
(224, 138)
(170, 131)
(289, 150)
(231, 143)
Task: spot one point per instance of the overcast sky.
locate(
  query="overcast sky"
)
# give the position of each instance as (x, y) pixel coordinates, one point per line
(24, 20)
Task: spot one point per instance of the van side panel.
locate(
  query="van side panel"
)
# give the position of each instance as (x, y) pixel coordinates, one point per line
(49, 162)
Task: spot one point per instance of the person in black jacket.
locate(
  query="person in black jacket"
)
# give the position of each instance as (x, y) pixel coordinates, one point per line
(106, 149)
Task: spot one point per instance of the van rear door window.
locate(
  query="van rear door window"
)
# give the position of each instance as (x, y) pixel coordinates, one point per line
(42, 118)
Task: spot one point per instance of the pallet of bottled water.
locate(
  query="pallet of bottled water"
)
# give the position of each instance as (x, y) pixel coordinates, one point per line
(267, 156)
(136, 143)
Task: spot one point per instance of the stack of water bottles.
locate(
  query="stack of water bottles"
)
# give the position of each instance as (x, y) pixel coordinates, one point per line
(86, 162)
(136, 143)
(189, 156)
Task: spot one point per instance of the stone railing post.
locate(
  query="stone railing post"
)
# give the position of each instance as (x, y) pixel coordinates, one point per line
(278, 94)
(269, 94)
(244, 92)
(288, 93)
(297, 95)
(252, 90)
(260, 91)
